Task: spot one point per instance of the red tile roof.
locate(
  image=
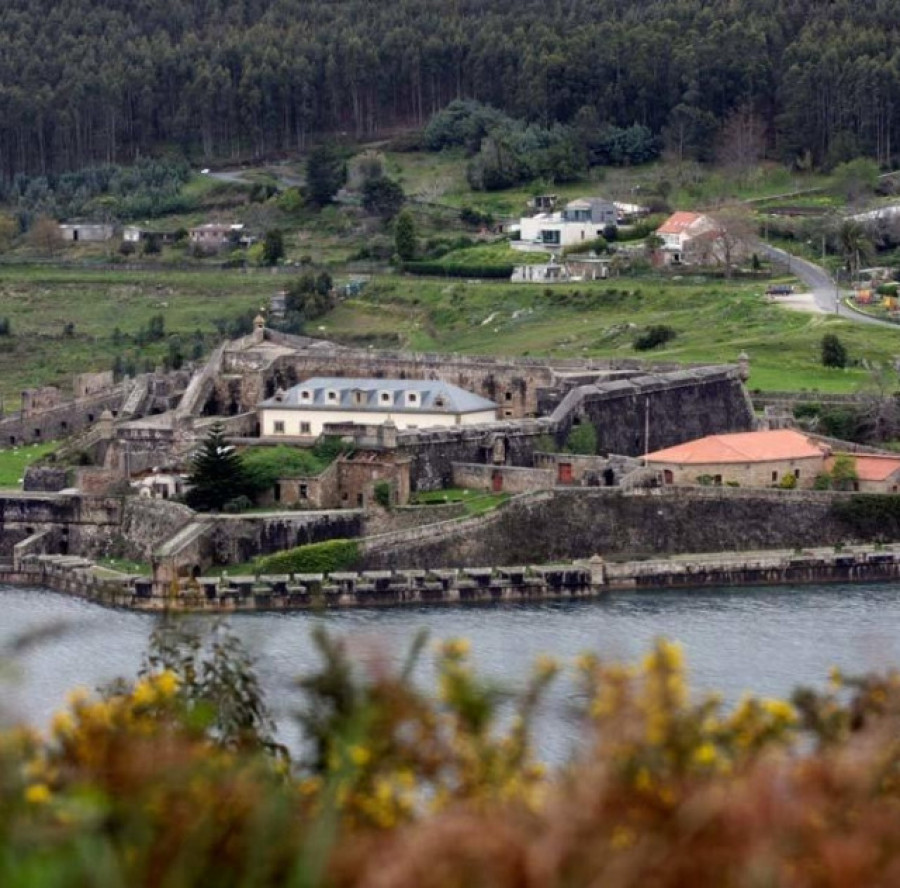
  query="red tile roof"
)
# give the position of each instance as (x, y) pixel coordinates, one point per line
(678, 223)
(871, 466)
(743, 447)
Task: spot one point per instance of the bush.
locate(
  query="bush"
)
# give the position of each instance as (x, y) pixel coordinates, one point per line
(500, 271)
(582, 439)
(383, 494)
(324, 557)
(833, 352)
(822, 481)
(238, 504)
(654, 336)
(788, 482)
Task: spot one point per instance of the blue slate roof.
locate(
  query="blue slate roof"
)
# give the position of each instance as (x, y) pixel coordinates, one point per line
(379, 395)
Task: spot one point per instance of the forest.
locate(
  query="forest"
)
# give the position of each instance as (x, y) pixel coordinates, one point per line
(90, 82)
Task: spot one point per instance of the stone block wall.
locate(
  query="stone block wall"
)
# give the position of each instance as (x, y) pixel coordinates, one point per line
(567, 524)
(508, 479)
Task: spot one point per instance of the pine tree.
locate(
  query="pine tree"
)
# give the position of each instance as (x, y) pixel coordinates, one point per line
(217, 473)
(833, 352)
(405, 236)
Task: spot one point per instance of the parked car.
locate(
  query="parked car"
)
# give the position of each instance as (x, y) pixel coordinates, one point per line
(779, 290)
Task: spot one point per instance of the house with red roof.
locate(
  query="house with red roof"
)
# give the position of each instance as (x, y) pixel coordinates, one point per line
(746, 459)
(875, 472)
(687, 238)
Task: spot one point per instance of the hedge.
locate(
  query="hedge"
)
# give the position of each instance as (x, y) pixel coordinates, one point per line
(870, 516)
(324, 557)
(437, 269)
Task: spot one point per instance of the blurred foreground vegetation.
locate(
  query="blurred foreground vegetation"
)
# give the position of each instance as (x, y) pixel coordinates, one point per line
(173, 779)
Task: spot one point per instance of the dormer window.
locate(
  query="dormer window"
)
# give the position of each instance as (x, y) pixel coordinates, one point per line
(384, 398)
(359, 397)
(331, 396)
(439, 401)
(412, 399)
(305, 396)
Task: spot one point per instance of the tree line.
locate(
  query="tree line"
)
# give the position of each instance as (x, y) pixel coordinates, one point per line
(84, 83)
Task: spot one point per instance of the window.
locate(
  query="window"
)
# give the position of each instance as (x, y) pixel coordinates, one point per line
(797, 474)
(304, 491)
(508, 396)
(332, 396)
(278, 426)
(774, 476)
(718, 480)
(305, 395)
(385, 397)
(305, 428)
(359, 397)
(507, 412)
(412, 398)
(438, 401)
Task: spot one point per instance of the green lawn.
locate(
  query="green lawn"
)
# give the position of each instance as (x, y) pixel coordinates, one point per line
(476, 502)
(13, 462)
(714, 322)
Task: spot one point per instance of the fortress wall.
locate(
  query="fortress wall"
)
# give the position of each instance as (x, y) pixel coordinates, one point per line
(578, 523)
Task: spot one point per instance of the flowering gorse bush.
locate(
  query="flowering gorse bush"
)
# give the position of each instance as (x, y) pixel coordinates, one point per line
(173, 780)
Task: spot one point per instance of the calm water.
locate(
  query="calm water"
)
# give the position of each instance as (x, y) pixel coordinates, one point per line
(761, 640)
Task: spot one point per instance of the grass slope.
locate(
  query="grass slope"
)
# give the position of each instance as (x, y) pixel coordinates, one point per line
(13, 462)
(714, 322)
(40, 301)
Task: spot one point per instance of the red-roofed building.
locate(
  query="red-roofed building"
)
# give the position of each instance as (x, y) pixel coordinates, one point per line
(686, 238)
(747, 459)
(876, 473)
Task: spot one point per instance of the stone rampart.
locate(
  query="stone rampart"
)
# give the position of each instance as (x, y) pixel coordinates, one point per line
(522, 584)
(647, 413)
(566, 524)
(60, 420)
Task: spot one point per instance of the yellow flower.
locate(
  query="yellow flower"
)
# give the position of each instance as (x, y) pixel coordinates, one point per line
(705, 754)
(360, 756)
(166, 683)
(835, 677)
(780, 710)
(62, 724)
(144, 694)
(455, 648)
(37, 794)
(77, 697)
(546, 666)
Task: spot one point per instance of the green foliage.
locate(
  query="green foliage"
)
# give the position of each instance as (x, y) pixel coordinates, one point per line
(706, 480)
(870, 516)
(383, 493)
(822, 481)
(653, 337)
(273, 247)
(788, 482)
(582, 438)
(217, 475)
(843, 472)
(266, 465)
(594, 245)
(326, 557)
(383, 197)
(834, 354)
(459, 270)
(217, 680)
(405, 242)
(855, 179)
(326, 173)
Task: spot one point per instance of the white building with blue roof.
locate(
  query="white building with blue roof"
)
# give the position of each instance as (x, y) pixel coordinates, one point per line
(304, 410)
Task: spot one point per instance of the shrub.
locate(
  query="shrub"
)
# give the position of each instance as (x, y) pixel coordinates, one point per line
(498, 271)
(383, 494)
(822, 481)
(654, 336)
(324, 557)
(788, 482)
(833, 352)
(238, 504)
(582, 439)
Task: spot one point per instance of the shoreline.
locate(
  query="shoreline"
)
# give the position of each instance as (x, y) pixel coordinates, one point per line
(580, 580)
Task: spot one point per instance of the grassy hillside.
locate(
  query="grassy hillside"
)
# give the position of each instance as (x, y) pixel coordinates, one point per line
(40, 302)
(714, 321)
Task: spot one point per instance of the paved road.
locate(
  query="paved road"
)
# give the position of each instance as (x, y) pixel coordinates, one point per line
(822, 286)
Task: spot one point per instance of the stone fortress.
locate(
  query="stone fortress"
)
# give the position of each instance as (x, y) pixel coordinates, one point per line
(563, 507)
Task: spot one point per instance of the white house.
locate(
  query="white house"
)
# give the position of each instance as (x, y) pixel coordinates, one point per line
(304, 410)
(581, 220)
(87, 232)
(680, 234)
